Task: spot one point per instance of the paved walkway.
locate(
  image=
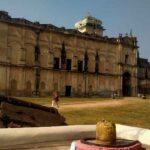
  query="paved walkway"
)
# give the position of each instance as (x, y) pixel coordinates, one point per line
(106, 103)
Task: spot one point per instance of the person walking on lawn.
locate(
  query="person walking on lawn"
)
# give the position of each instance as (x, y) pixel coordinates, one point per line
(55, 99)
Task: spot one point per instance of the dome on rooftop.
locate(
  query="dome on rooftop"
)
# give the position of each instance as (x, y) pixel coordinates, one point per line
(91, 25)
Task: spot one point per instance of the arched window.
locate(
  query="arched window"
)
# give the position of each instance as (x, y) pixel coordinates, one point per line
(63, 56)
(97, 63)
(37, 54)
(126, 84)
(56, 63)
(126, 59)
(80, 65)
(68, 65)
(146, 73)
(86, 61)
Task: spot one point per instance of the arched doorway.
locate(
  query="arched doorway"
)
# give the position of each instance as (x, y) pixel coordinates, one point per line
(126, 84)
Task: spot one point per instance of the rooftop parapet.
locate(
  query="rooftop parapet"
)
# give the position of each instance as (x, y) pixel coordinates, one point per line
(128, 40)
(97, 34)
(4, 15)
(142, 62)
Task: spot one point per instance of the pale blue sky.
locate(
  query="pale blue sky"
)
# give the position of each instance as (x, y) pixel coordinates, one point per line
(118, 16)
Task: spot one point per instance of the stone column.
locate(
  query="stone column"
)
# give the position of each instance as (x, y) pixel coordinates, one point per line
(134, 85)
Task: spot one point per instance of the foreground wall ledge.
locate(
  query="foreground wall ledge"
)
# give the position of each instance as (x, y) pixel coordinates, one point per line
(19, 136)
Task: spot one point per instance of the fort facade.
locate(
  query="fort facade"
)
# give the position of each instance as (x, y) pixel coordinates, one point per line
(36, 59)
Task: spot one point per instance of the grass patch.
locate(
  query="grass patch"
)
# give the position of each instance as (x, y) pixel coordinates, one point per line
(136, 114)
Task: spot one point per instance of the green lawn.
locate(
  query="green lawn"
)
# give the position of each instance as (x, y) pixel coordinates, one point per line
(137, 114)
(134, 113)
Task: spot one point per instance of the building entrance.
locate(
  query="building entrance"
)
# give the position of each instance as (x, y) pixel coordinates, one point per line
(126, 85)
(68, 90)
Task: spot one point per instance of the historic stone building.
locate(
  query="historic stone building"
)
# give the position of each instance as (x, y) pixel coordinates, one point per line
(143, 76)
(39, 58)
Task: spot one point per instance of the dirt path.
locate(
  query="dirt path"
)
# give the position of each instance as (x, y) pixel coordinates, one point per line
(107, 103)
